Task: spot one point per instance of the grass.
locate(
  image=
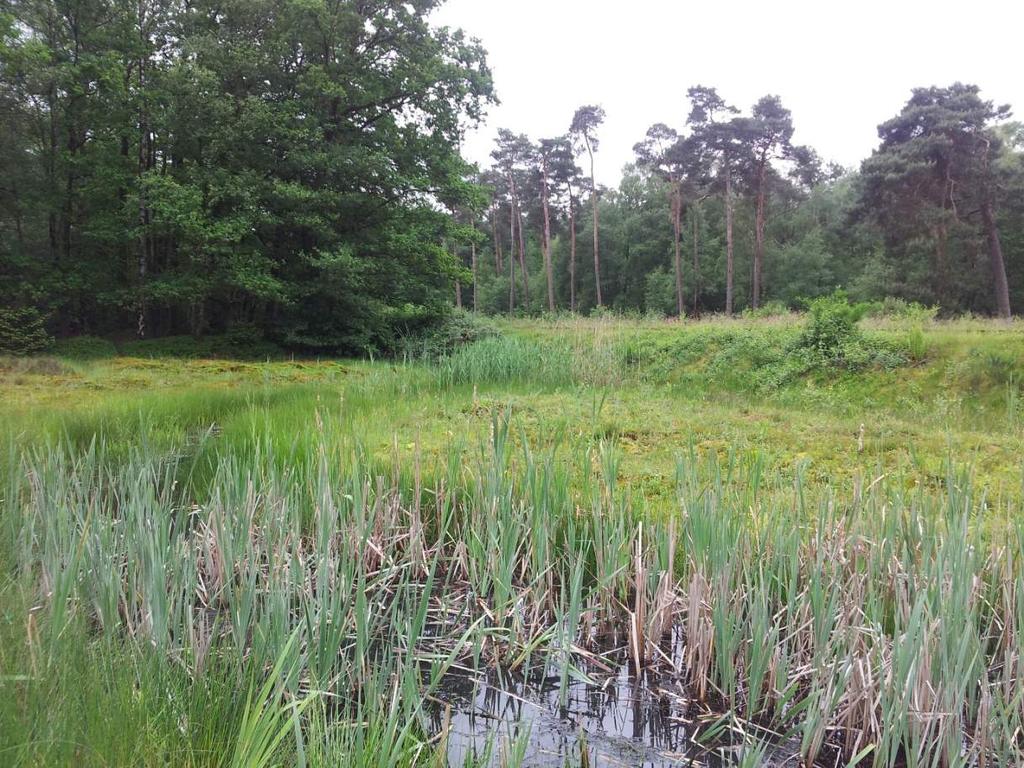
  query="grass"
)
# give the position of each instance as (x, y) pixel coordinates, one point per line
(210, 562)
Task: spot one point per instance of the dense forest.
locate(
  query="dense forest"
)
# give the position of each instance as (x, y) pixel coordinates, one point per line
(292, 170)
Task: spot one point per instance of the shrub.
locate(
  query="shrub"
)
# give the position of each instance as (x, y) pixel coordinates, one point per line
(831, 339)
(23, 331)
(84, 348)
(917, 344)
(456, 330)
(998, 367)
(768, 309)
(660, 293)
(895, 308)
(831, 327)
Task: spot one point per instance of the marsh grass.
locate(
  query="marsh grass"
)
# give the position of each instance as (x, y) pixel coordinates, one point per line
(305, 599)
(240, 575)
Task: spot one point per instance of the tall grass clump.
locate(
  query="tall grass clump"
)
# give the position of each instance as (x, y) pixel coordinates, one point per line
(503, 360)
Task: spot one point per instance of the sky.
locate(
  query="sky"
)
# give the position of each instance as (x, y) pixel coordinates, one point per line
(841, 67)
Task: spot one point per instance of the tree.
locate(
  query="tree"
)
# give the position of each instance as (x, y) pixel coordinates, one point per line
(766, 137)
(514, 158)
(547, 152)
(566, 179)
(935, 172)
(584, 130)
(193, 166)
(661, 153)
(717, 143)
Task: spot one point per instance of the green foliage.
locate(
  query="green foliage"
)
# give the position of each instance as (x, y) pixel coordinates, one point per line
(508, 360)
(84, 348)
(895, 308)
(456, 330)
(201, 646)
(243, 343)
(23, 331)
(998, 367)
(831, 328)
(766, 310)
(210, 175)
(917, 344)
(660, 293)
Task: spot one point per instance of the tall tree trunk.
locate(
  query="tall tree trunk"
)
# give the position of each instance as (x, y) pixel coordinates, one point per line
(695, 212)
(759, 236)
(458, 283)
(472, 255)
(51, 172)
(940, 273)
(593, 202)
(511, 254)
(512, 278)
(728, 240)
(547, 235)
(677, 224)
(522, 259)
(516, 214)
(498, 266)
(143, 245)
(572, 254)
(998, 263)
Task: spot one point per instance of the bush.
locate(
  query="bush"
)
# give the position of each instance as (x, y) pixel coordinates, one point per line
(456, 330)
(831, 340)
(917, 344)
(23, 331)
(766, 310)
(895, 308)
(660, 293)
(84, 348)
(832, 326)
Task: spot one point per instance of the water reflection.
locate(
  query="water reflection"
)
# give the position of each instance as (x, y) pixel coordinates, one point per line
(626, 720)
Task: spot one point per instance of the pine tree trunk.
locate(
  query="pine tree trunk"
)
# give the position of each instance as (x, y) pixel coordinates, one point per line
(547, 236)
(593, 201)
(458, 294)
(572, 255)
(995, 254)
(728, 241)
(516, 216)
(511, 283)
(472, 255)
(677, 215)
(498, 267)
(696, 261)
(522, 260)
(759, 237)
(940, 273)
(511, 255)
(143, 212)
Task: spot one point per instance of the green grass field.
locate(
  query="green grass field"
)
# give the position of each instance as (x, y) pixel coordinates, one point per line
(215, 562)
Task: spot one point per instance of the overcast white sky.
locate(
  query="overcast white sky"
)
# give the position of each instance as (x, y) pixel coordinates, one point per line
(841, 66)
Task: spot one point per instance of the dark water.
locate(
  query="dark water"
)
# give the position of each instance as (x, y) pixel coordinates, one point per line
(625, 720)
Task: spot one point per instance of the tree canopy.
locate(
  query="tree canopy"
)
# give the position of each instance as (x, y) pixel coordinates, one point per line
(292, 168)
(196, 166)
